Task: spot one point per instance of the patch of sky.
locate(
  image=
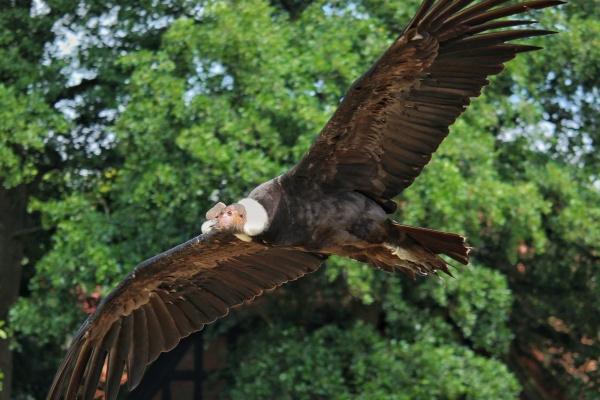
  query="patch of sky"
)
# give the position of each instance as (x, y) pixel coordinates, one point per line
(570, 139)
(205, 70)
(39, 8)
(195, 9)
(92, 140)
(215, 195)
(341, 10)
(68, 107)
(318, 87)
(151, 21)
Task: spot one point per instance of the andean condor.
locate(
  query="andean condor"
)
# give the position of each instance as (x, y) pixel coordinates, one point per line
(336, 200)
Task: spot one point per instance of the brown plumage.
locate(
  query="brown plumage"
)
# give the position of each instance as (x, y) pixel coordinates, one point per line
(396, 115)
(167, 298)
(334, 201)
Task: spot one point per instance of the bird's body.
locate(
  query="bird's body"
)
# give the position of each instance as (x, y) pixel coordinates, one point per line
(320, 219)
(336, 200)
(306, 216)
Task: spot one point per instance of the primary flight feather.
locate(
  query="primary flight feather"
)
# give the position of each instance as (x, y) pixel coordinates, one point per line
(336, 200)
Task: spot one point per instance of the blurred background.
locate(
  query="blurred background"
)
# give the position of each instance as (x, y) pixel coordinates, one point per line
(121, 122)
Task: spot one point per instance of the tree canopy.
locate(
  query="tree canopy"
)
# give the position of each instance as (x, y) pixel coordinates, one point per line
(123, 122)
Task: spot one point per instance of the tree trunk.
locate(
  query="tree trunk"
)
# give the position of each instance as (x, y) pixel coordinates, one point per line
(537, 382)
(12, 220)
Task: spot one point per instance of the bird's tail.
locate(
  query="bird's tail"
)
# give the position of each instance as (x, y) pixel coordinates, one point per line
(416, 251)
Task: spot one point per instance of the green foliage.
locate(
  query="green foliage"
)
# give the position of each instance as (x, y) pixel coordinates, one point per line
(478, 302)
(27, 123)
(361, 278)
(3, 333)
(358, 363)
(183, 105)
(423, 371)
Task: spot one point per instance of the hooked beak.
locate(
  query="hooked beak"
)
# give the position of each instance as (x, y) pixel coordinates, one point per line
(208, 226)
(211, 217)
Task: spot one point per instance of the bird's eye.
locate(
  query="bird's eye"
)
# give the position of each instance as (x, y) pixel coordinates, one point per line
(229, 213)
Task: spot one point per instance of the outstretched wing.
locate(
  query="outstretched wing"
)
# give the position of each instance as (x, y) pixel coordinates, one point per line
(165, 299)
(396, 115)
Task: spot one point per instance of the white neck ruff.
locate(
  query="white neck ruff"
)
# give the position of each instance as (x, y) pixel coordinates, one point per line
(257, 218)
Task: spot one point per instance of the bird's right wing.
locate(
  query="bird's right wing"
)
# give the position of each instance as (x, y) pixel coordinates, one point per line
(165, 299)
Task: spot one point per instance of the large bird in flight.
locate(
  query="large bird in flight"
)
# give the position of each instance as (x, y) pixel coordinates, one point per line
(336, 200)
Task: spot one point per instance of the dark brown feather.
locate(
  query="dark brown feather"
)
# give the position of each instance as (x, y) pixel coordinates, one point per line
(165, 299)
(169, 329)
(183, 325)
(139, 348)
(79, 367)
(511, 10)
(194, 315)
(421, 12)
(117, 359)
(450, 10)
(476, 9)
(97, 361)
(398, 113)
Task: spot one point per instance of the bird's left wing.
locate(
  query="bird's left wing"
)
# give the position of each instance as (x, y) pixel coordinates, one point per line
(165, 299)
(395, 116)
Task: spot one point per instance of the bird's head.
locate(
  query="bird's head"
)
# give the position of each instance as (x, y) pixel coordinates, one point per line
(221, 217)
(245, 219)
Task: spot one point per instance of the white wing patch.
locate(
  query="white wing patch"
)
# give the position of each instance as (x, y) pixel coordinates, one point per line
(402, 254)
(243, 237)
